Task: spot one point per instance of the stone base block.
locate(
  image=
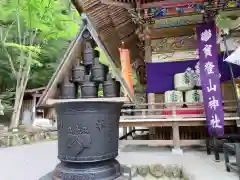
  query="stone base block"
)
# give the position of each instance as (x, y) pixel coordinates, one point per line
(49, 177)
(149, 172)
(177, 151)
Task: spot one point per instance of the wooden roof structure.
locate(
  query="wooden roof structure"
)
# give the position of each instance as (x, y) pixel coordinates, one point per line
(118, 21)
(113, 24)
(73, 53)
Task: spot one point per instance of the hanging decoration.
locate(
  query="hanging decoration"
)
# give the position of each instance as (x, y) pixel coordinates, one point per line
(126, 68)
(210, 81)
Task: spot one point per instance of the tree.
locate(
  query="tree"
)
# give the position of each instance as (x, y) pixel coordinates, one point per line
(27, 28)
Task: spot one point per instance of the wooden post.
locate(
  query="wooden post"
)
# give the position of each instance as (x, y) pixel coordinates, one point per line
(148, 58)
(176, 136)
(151, 100)
(34, 102)
(124, 130)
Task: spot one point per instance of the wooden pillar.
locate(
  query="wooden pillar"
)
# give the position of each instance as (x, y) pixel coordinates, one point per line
(176, 136)
(124, 129)
(34, 107)
(148, 58)
(151, 99)
(34, 103)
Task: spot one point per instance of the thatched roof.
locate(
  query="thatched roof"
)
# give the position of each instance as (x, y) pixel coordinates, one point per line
(113, 24)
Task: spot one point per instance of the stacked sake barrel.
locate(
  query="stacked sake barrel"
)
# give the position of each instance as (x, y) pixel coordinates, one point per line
(89, 78)
(187, 90)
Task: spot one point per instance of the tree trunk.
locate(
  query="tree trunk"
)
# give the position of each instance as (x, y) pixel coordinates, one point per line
(20, 89)
(17, 108)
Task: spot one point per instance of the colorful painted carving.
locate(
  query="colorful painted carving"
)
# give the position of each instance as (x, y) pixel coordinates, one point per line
(160, 12)
(174, 44)
(175, 56)
(184, 8)
(178, 21)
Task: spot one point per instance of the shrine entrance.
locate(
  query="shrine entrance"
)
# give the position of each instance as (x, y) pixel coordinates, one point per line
(189, 92)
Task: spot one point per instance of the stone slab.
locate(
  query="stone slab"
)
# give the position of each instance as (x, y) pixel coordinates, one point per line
(178, 151)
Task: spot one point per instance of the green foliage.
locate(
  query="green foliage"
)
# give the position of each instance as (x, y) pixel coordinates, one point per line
(35, 33)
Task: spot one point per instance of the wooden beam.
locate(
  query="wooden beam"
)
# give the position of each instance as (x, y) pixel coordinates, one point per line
(155, 143)
(168, 123)
(114, 99)
(173, 31)
(129, 39)
(77, 5)
(116, 3)
(38, 95)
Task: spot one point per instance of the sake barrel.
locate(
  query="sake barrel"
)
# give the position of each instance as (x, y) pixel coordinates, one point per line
(197, 78)
(183, 81)
(173, 96)
(193, 96)
(198, 81)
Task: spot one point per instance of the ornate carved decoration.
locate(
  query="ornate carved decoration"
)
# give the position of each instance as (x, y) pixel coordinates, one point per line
(175, 56)
(146, 32)
(140, 69)
(141, 16)
(79, 139)
(137, 16)
(171, 44)
(143, 32)
(178, 21)
(101, 124)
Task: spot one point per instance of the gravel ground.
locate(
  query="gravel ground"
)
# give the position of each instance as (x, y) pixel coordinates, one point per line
(31, 162)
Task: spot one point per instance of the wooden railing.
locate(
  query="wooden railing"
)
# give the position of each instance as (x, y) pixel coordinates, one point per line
(156, 110)
(172, 115)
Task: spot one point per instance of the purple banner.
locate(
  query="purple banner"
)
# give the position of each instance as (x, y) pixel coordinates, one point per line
(210, 79)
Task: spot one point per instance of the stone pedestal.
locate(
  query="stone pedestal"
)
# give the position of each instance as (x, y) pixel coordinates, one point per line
(50, 175)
